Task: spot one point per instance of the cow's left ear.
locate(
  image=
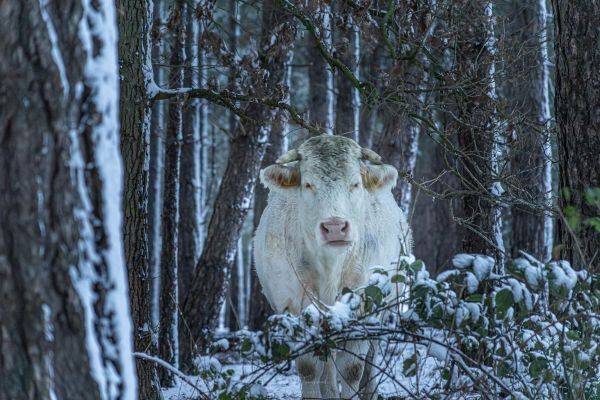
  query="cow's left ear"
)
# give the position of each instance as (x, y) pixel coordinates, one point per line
(280, 176)
(379, 176)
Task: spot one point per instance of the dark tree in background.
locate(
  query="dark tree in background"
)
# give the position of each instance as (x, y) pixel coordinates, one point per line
(64, 323)
(578, 125)
(168, 323)
(526, 95)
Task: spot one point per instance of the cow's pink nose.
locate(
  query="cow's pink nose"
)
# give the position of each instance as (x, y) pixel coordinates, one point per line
(335, 229)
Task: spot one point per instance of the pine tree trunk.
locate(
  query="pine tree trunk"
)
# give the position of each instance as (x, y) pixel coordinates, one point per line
(134, 45)
(527, 95)
(247, 148)
(168, 325)
(62, 273)
(578, 122)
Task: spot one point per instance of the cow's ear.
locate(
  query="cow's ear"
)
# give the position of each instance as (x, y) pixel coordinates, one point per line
(279, 176)
(379, 176)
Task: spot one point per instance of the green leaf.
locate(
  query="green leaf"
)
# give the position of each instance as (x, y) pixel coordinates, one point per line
(246, 346)
(409, 366)
(538, 366)
(594, 222)
(280, 351)
(475, 298)
(504, 300)
(566, 192)
(573, 217)
(592, 196)
(375, 294)
(398, 278)
(417, 266)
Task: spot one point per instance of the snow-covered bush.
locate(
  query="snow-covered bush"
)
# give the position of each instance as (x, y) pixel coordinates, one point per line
(531, 332)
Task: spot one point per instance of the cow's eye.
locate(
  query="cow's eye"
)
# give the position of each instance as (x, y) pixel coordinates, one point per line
(356, 185)
(308, 186)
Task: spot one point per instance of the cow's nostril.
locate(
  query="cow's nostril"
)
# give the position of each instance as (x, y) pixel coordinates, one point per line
(324, 228)
(345, 227)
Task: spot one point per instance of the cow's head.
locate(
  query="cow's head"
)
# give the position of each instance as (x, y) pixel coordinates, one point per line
(333, 180)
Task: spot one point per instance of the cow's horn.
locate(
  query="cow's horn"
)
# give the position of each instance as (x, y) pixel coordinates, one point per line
(290, 156)
(370, 155)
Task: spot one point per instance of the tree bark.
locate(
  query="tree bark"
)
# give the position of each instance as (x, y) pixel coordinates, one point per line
(526, 93)
(134, 45)
(62, 274)
(473, 124)
(168, 326)
(578, 122)
(233, 201)
(189, 183)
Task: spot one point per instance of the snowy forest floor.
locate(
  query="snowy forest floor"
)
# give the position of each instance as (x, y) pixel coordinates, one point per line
(286, 385)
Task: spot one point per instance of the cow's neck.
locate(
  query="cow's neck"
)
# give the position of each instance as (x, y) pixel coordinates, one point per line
(324, 270)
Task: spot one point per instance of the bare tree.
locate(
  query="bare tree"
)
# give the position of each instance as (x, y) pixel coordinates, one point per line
(578, 123)
(65, 317)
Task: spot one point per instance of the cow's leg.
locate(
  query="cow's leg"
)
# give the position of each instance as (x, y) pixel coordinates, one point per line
(368, 383)
(329, 389)
(310, 370)
(350, 362)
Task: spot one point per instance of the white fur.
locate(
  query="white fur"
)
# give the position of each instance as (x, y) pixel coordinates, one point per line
(295, 265)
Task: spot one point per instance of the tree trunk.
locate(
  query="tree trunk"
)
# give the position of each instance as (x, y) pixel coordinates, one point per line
(578, 122)
(348, 100)
(134, 47)
(372, 66)
(189, 183)
(527, 97)
(64, 320)
(168, 338)
(247, 148)
(320, 77)
(474, 125)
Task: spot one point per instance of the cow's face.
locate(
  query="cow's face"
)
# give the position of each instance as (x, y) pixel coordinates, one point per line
(333, 180)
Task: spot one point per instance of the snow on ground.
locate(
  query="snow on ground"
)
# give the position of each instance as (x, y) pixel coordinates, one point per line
(286, 385)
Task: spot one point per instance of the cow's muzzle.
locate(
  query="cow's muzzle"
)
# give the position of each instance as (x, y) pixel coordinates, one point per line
(336, 232)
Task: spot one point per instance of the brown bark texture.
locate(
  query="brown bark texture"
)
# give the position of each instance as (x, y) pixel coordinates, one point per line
(54, 235)
(134, 113)
(577, 102)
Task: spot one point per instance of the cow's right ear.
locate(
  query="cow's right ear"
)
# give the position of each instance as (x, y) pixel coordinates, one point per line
(280, 176)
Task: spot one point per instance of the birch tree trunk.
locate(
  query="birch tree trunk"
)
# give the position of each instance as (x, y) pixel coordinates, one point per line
(578, 122)
(168, 326)
(232, 203)
(135, 18)
(65, 329)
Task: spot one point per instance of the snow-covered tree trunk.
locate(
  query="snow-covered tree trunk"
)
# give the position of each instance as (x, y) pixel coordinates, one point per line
(65, 328)
(578, 123)
(321, 108)
(233, 201)
(527, 94)
(135, 18)
(347, 47)
(156, 169)
(189, 181)
(168, 324)
(474, 123)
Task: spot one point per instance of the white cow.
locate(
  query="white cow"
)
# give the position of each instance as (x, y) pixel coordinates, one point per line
(330, 216)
